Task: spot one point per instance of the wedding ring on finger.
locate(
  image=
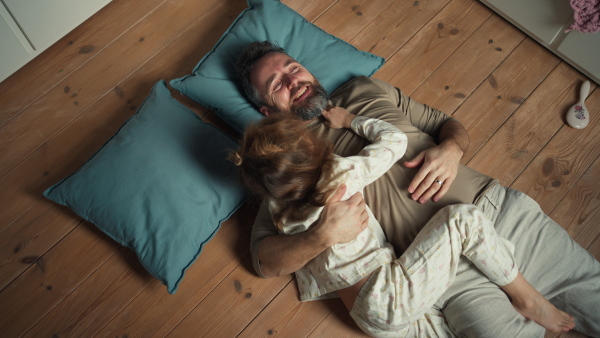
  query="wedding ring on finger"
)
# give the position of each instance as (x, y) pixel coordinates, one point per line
(439, 182)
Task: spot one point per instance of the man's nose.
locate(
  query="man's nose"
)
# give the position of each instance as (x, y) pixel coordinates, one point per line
(292, 80)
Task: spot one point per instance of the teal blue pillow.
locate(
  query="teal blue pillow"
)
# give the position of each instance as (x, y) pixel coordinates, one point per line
(161, 186)
(214, 83)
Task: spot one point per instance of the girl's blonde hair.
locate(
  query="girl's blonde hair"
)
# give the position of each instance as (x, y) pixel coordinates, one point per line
(280, 159)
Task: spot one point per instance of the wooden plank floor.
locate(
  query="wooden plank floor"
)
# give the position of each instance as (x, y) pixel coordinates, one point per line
(60, 276)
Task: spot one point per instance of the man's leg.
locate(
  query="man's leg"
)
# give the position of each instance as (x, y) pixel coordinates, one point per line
(550, 260)
(475, 307)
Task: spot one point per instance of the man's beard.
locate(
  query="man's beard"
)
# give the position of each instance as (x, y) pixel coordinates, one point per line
(312, 106)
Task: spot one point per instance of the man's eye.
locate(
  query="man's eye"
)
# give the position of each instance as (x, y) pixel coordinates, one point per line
(277, 86)
(295, 69)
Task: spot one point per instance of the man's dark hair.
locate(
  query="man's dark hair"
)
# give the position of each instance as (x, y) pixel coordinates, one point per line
(249, 56)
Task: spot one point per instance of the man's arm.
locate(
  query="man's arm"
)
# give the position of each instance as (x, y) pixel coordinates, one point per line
(439, 163)
(340, 222)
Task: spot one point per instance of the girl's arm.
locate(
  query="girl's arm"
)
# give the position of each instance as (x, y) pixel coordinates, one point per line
(388, 143)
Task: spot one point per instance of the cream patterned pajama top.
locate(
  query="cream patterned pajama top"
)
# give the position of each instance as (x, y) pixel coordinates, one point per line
(343, 265)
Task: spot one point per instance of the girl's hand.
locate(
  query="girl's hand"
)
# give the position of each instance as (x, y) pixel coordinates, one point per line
(337, 117)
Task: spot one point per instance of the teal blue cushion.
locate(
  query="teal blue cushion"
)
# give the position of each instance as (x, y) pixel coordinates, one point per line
(161, 186)
(214, 83)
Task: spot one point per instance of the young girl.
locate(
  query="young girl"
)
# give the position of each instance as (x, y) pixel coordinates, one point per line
(297, 172)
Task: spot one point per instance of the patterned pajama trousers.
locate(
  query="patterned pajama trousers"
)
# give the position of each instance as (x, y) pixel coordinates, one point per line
(398, 298)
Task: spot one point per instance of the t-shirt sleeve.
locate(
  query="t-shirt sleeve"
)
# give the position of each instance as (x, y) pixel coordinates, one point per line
(427, 119)
(263, 227)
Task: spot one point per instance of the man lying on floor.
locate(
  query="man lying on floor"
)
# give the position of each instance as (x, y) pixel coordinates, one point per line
(555, 265)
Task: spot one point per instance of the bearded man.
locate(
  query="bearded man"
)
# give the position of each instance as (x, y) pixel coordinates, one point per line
(410, 193)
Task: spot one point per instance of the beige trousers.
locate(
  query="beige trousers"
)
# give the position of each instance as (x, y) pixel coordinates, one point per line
(559, 268)
(398, 298)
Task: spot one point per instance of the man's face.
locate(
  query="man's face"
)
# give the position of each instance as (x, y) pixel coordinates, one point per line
(287, 87)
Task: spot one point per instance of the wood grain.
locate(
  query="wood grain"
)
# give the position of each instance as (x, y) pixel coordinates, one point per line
(286, 316)
(53, 276)
(393, 27)
(97, 300)
(29, 238)
(455, 80)
(241, 295)
(346, 18)
(60, 276)
(155, 312)
(525, 133)
(579, 211)
(68, 54)
(502, 92)
(561, 163)
(338, 324)
(433, 44)
(310, 9)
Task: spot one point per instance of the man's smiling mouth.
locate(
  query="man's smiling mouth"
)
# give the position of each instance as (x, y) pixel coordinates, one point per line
(300, 93)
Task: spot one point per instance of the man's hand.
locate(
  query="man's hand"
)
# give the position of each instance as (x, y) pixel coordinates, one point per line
(341, 222)
(439, 165)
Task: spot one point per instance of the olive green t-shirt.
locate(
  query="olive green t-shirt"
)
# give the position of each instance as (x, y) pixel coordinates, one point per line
(388, 197)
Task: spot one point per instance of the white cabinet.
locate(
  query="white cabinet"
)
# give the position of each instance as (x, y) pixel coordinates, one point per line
(28, 27)
(14, 49)
(545, 21)
(582, 50)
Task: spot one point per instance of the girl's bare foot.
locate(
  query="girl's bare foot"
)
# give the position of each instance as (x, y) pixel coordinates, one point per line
(532, 305)
(541, 311)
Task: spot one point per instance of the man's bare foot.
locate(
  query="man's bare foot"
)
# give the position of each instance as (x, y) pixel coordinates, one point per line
(532, 305)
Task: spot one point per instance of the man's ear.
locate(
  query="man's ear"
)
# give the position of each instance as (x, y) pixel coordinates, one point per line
(265, 110)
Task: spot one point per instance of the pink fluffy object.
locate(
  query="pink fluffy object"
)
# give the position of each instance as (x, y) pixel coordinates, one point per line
(587, 16)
